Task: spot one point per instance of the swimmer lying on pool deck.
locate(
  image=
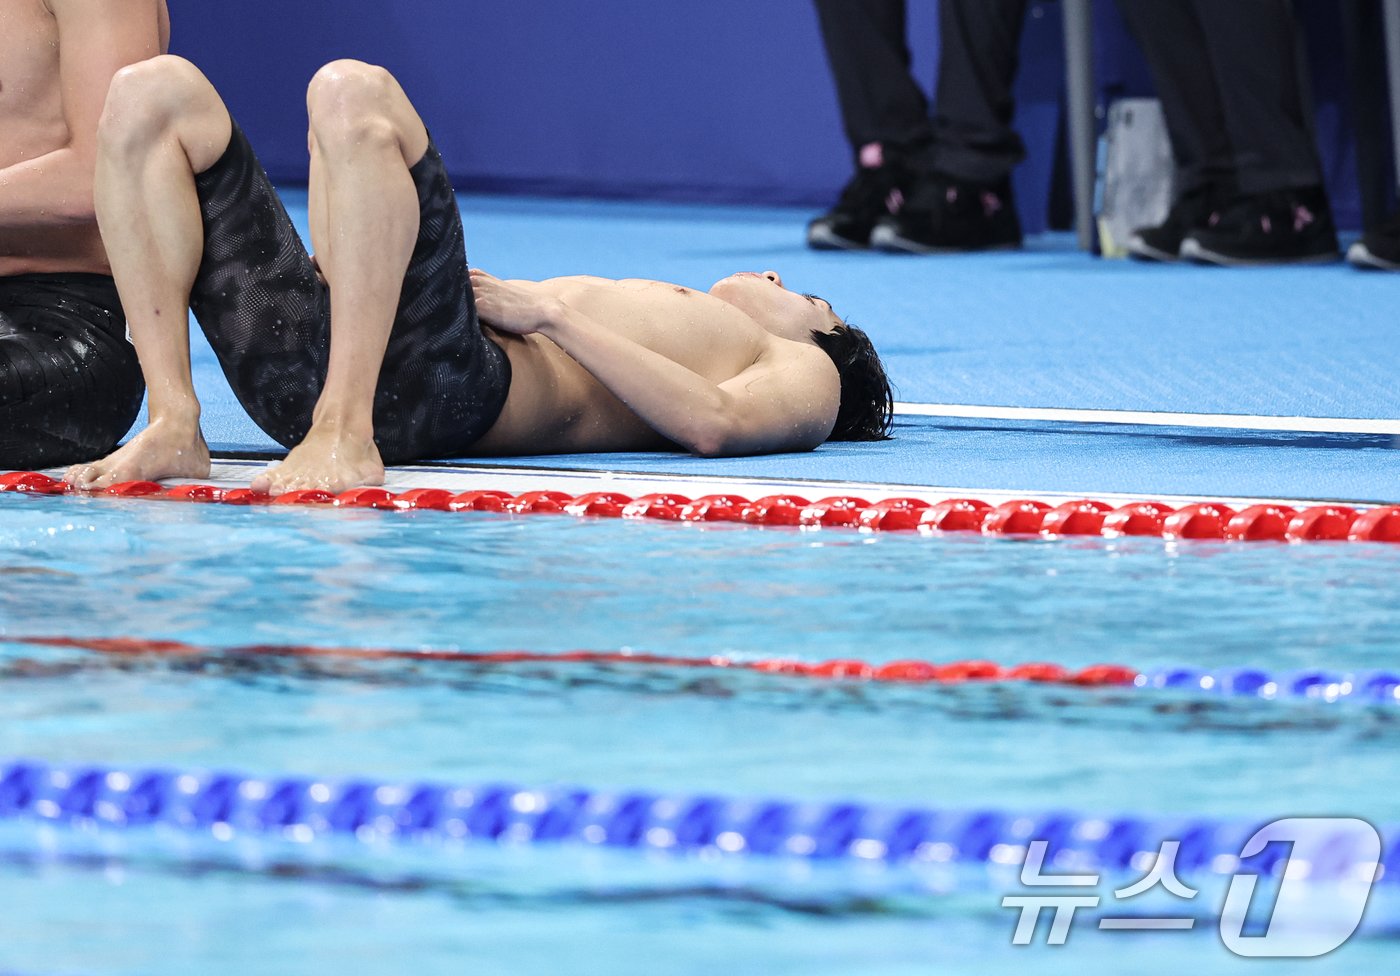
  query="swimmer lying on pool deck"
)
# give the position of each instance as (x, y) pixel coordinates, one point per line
(372, 352)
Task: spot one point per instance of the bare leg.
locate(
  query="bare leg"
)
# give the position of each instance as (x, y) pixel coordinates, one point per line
(365, 136)
(163, 123)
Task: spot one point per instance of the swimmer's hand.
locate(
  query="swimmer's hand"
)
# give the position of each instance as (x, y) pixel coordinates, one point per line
(511, 306)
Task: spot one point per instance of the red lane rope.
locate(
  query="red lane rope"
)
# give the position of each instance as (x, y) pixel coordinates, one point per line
(1202, 520)
(909, 672)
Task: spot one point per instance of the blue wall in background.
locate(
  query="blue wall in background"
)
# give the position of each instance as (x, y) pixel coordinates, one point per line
(709, 100)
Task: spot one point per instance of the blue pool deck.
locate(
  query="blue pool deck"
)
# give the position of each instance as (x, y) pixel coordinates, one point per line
(1298, 365)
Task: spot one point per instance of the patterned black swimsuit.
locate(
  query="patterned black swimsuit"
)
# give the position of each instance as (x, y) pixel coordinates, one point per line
(267, 315)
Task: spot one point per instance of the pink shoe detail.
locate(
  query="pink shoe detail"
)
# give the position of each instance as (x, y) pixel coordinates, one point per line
(895, 201)
(991, 203)
(1267, 224)
(1302, 217)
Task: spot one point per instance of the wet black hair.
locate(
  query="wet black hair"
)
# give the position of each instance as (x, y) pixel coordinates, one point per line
(867, 402)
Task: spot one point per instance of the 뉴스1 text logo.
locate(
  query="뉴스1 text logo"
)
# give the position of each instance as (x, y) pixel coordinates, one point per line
(1311, 902)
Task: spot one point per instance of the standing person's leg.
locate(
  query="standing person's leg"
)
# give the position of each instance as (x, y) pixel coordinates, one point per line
(363, 208)
(1174, 42)
(1255, 56)
(163, 122)
(962, 198)
(883, 111)
(980, 51)
(867, 48)
(1282, 214)
(1367, 62)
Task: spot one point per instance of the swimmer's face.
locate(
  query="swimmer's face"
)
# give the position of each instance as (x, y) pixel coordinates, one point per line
(787, 314)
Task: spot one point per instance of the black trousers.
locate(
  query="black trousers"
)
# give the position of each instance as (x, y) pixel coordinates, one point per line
(968, 135)
(1230, 76)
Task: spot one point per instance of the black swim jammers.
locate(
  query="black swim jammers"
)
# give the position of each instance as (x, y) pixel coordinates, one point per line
(266, 313)
(70, 384)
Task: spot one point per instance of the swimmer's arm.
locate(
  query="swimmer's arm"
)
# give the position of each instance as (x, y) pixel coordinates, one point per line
(778, 405)
(96, 39)
(786, 401)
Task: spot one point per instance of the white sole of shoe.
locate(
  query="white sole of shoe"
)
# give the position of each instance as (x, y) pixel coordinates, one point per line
(886, 238)
(1360, 255)
(1140, 249)
(822, 239)
(1194, 250)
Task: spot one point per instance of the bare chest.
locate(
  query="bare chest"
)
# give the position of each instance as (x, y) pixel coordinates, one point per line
(31, 104)
(686, 326)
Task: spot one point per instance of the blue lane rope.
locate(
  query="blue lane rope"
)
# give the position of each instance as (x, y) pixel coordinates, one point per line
(301, 809)
(1310, 684)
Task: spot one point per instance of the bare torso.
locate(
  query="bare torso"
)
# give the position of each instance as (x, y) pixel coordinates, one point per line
(34, 125)
(556, 406)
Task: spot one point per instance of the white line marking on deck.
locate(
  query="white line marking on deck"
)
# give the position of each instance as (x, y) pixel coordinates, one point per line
(1223, 421)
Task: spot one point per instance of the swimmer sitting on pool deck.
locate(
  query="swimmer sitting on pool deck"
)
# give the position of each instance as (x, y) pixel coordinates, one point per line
(372, 352)
(70, 385)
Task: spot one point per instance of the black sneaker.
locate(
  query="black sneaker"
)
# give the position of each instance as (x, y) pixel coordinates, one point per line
(1282, 227)
(864, 201)
(1191, 211)
(1378, 250)
(945, 215)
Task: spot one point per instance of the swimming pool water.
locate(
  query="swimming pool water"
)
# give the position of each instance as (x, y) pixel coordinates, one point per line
(220, 577)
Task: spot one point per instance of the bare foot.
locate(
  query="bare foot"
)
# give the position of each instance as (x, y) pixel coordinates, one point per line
(330, 459)
(162, 450)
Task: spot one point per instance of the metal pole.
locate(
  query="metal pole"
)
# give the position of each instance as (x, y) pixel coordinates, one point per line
(1083, 137)
(1392, 51)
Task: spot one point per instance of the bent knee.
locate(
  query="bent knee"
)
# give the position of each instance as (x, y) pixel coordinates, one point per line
(146, 98)
(346, 89)
(355, 101)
